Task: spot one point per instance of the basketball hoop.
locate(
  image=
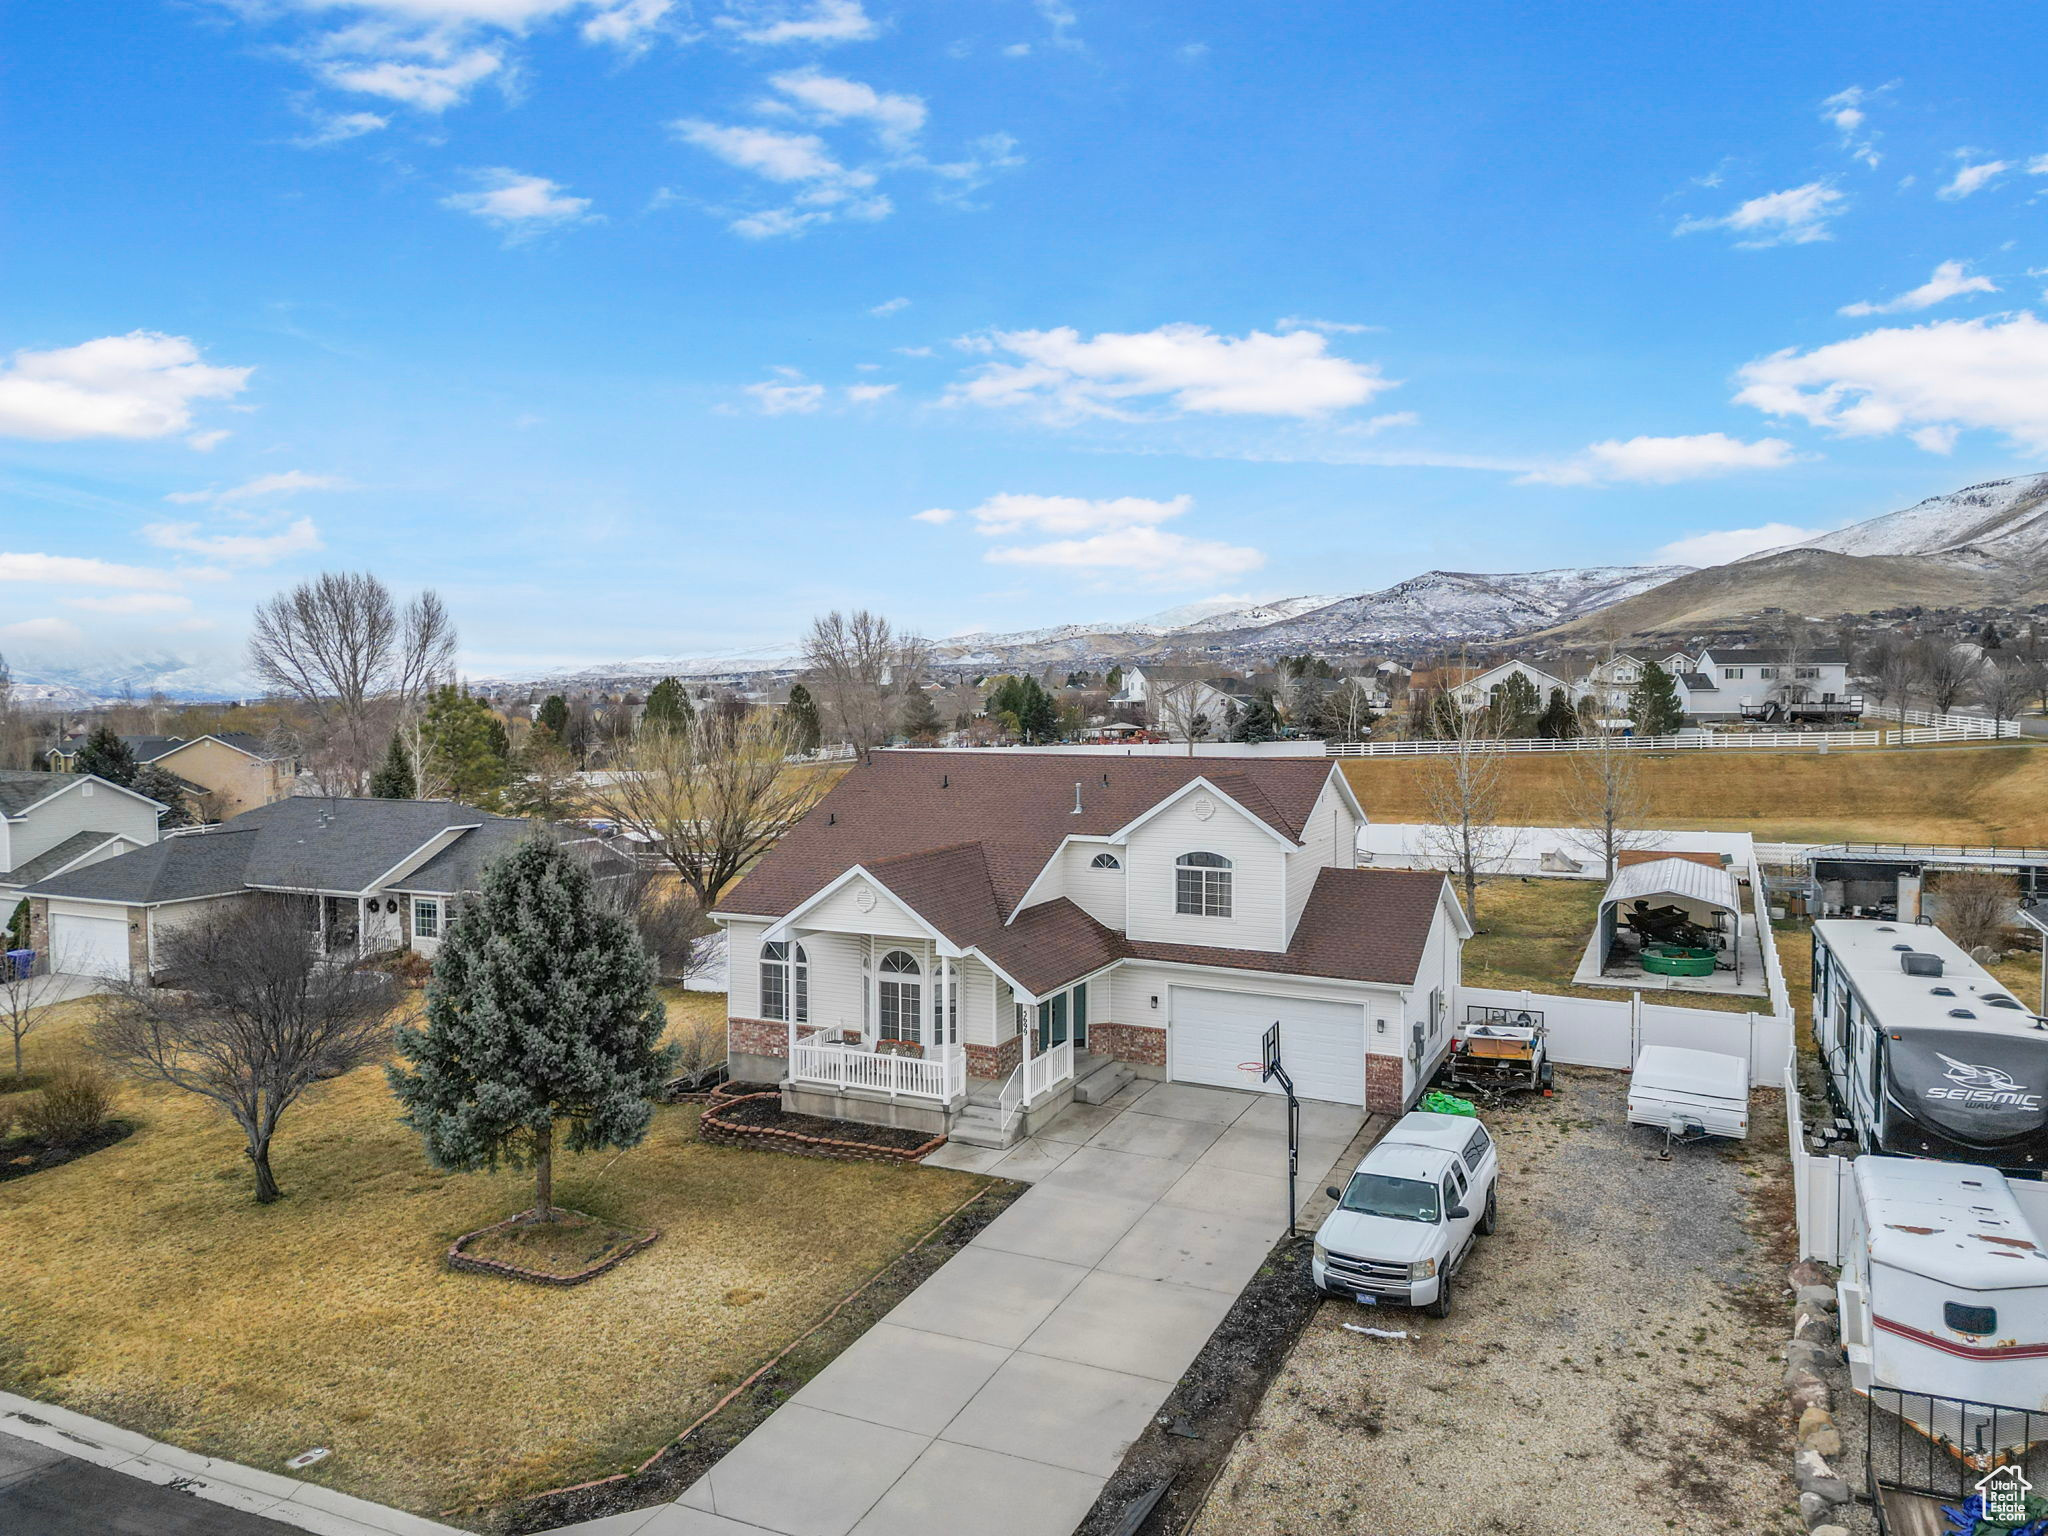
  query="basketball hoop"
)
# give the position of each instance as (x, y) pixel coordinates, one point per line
(1256, 1067)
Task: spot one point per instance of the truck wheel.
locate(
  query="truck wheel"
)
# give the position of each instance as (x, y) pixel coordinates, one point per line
(1490, 1217)
(1441, 1307)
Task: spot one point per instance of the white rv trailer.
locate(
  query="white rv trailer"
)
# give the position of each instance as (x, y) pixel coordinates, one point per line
(1928, 1053)
(1687, 1093)
(1945, 1305)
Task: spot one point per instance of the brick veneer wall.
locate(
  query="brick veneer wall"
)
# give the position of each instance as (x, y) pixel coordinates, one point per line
(1383, 1095)
(994, 1061)
(1139, 1043)
(757, 1037)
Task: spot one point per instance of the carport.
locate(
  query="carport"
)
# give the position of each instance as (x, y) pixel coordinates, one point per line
(1676, 909)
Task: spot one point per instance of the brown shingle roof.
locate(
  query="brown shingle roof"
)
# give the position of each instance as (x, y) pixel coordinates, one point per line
(1015, 806)
(1359, 925)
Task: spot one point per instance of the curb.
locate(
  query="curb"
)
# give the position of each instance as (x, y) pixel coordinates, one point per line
(286, 1500)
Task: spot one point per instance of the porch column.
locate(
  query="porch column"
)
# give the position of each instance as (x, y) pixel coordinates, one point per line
(362, 924)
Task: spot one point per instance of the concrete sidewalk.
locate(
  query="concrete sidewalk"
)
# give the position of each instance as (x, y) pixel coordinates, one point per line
(998, 1397)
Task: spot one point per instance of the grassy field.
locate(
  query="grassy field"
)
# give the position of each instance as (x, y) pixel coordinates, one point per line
(142, 1285)
(1991, 794)
(1532, 934)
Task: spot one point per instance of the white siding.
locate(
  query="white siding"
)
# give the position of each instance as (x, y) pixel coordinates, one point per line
(977, 1004)
(1098, 892)
(1258, 917)
(743, 970)
(841, 912)
(1329, 841)
(85, 808)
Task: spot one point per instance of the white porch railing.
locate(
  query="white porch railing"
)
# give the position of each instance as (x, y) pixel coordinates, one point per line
(1034, 1077)
(942, 1075)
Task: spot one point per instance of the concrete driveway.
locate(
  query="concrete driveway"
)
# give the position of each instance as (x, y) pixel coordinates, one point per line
(998, 1397)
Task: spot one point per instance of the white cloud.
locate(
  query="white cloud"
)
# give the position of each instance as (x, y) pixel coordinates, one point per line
(1061, 18)
(1928, 381)
(1948, 282)
(300, 538)
(81, 571)
(1119, 539)
(1726, 544)
(1796, 216)
(627, 23)
(520, 205)
(429, 87)
(888, 306)
(765, 151)
(337, 127)
(263, 487)
(144, 384)
(867, 394)
(1971, 177)
(792, 397)
(1664, 460)
(1847, 112)
(43, 631)
(1327, 327)
(822, 21)
(132, 603)
(1190, 366)
(897, 120)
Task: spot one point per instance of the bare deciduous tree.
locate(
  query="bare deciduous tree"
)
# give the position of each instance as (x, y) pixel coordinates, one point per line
(357, 662)
(26, 1002)
(1463, 788)
(1947, 671)
(713, 796)
(1184, 707)
(1606, 802)
(249, 1016)
(861, 666)
(1975, 905)
(1348, 712)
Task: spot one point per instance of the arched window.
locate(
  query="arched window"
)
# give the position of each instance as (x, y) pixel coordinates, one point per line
(1201, 885)
(785, 983)
(1104, 861)
(900, 996)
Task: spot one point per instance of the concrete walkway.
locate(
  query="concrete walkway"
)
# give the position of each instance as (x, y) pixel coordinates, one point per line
(999, 1396)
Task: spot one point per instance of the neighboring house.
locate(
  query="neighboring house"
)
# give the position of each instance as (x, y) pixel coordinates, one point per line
(948, 930)
(225, 774)
(1771, 684)
(51, 823)
(375, 875)
(1476, 692)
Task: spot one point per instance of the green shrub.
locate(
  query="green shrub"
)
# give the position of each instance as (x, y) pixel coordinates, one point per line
(71, 1107)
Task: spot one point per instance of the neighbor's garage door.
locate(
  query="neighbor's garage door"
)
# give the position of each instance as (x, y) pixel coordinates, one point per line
(89, 946)
(1322, 1045)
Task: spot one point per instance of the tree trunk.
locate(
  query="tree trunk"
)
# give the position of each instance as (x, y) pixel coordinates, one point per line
(544, 1172)
(266, 1181)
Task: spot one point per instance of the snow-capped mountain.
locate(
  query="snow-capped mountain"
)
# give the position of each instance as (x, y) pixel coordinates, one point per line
(74, 680)
(2001, 522)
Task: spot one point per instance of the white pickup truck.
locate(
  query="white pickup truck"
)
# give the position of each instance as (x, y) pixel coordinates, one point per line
(1415, 1206)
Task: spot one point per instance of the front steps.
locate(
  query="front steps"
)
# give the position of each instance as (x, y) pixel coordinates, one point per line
(1099, 1078)
(979, 1121)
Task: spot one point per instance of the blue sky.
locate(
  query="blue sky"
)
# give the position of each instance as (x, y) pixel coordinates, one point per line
(638, 327)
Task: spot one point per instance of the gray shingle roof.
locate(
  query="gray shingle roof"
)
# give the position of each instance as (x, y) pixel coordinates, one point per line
(21, 788)
(176, 869)
(53, 859)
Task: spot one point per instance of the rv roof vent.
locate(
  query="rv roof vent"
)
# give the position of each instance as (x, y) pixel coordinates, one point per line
(1920, 965)
(1943, 991)
(2003, 1002)
(1886, 928)
(1961, 1013)
(1903, 947)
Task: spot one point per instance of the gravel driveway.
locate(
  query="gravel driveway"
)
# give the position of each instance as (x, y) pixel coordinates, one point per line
(1612, 1363)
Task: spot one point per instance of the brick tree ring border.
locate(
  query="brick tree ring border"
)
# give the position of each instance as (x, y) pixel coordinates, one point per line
(458, 1258)
(721, 1133)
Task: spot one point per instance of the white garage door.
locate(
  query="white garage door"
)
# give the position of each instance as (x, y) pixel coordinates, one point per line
(89, 946)
(1322, 1045)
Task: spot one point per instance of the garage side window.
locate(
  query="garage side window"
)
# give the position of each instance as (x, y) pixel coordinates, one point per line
(1201, 885)
(785, 983)
(426, 918)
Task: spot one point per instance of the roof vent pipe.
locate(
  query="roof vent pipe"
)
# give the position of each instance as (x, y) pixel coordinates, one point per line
(1077, 799)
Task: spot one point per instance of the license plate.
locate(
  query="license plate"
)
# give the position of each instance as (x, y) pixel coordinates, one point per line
(1367, 1301)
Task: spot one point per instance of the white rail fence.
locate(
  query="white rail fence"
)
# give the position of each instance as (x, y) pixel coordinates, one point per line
(1047, 1070)
(941, 1076)
(1738, 741)
(1968, 727)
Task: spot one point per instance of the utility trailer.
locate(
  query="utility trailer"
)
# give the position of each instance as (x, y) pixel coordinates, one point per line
(1689, 1094)
(1499, 1051)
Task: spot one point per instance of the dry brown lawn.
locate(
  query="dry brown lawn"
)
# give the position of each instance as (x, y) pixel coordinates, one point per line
(1991, 794)
(1531, 933)
(142, 1285)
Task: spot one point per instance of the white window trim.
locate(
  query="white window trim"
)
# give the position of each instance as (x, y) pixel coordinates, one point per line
(431, 904)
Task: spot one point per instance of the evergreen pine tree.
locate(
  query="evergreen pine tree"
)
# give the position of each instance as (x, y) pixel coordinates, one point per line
(804, 728)
(164, 787)
(465, 745)
(1992, 640)
(541, 1014)
(668, 707)
(1038, 719)
(920, 719)
(1259, 721)
(107, 755)
(1115, 681)
(1653, 706)
(554, 714)
(1514, 706)
(394, 779)
(1559, 721)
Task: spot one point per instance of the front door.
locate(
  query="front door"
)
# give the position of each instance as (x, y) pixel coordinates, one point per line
(1062, 1018)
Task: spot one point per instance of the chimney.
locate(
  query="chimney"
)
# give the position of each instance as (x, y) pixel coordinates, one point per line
(1077, 799)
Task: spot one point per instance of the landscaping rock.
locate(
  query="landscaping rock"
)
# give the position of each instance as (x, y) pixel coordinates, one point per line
(1817, 1432)
(1816, 1297)
(1829, 1530)
(1810, 1272)
(1813, 1475)
(1812, 1393)
(1814, 1512)
(1815, 1328)
(1804, 1355)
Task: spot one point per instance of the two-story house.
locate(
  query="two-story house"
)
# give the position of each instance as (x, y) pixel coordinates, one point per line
(223, 775)
(1772, 685)
(54, 822)
(956, 937)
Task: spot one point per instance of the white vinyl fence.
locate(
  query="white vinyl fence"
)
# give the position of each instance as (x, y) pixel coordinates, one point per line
(1961, 727)
(1738, 741)
(1823, 1187)
(1593, 1032)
